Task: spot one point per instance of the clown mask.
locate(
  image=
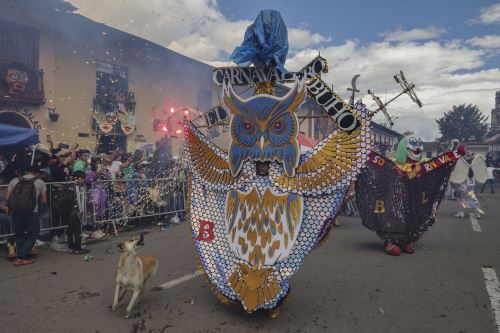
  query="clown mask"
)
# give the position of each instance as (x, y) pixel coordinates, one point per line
(17, 80)
(414, 148)
(409, 150)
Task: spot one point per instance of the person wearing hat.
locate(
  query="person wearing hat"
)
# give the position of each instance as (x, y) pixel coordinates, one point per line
(81, 162)
(59, 167)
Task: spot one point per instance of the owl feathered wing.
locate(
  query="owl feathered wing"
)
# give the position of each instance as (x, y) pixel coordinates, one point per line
(209, 161)
(336, 158)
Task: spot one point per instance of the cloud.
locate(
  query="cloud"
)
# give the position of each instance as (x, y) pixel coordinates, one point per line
(486, 42)
(195, 28)
(161, 21)
(413, 34)
(489, 15)
(208, 44)
(300, 38)
(445, 74)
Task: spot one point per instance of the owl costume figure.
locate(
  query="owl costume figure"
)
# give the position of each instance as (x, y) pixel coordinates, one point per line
(259, 209)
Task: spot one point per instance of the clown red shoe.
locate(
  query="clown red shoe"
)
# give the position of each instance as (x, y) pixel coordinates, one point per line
(392, 249)
(410, 248)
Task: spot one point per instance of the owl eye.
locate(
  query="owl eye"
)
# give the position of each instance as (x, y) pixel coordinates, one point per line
(247, 126)
(278, 127)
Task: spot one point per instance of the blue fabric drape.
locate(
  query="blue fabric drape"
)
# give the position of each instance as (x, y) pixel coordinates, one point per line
(265, 43)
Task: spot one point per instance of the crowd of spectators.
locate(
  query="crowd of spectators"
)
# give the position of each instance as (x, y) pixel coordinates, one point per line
(93, 179)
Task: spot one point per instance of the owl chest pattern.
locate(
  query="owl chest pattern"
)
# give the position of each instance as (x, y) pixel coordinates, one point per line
(262, 225)
(220, 256)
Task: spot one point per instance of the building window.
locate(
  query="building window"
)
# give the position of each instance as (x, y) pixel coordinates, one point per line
(18, 45)
(111, 92)
(111, 80)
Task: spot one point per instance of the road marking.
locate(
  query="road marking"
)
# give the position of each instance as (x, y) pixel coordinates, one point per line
(493, 289)
(475, 223)
(180, 280)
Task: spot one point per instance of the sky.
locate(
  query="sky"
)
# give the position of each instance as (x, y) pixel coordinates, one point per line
(449, 49)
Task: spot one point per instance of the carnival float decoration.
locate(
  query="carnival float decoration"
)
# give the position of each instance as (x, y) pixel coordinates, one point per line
(16, 79)
(258, 210)
(114, 107)
(398, 199)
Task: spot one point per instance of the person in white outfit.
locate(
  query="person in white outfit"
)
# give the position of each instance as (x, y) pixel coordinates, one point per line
(491, 178)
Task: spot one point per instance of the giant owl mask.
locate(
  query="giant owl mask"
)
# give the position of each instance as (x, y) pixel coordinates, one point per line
(264, 128)
(252, 230)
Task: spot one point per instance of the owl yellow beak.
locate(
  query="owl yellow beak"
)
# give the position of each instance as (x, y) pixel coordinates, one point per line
(262, 143)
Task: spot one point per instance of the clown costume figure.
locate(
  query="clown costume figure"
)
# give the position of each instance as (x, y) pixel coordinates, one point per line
(399, 199)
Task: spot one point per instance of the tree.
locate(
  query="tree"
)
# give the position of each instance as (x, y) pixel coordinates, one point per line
(464, 122)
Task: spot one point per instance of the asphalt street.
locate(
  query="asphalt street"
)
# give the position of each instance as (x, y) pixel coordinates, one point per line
(346, 285)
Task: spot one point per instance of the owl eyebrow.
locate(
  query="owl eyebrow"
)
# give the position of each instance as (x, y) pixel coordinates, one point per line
(280, 114)
(274, 119)
(247, 119)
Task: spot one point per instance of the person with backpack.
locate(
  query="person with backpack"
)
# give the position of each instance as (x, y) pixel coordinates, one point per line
(24, 195)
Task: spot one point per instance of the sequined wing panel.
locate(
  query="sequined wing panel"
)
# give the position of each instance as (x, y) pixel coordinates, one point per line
(207, 160)
(397, 206)
(255, 286)
(332, 164)
(262, 229)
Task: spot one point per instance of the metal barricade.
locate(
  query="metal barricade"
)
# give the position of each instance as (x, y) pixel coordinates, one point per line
(49, 220)
(120, 201)
(115, 202)
(6, 228)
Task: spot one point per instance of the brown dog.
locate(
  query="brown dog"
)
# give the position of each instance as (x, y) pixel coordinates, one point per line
(133, 272)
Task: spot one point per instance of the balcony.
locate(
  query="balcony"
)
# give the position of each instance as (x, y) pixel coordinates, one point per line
(34, 93)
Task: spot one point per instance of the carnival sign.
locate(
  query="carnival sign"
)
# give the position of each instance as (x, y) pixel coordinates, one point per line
(332, 104)
(216, 116)
(251, 75)
(22, 111)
